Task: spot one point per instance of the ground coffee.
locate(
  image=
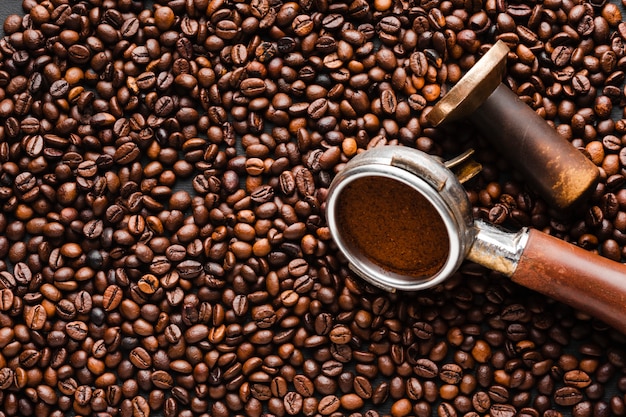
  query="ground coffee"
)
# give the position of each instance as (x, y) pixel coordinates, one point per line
(394, 226)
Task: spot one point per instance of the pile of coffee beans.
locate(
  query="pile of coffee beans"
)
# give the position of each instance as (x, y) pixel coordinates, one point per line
(163, 174)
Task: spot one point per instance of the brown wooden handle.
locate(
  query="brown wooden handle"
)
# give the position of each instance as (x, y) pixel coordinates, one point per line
(528, 142)
(574, 276)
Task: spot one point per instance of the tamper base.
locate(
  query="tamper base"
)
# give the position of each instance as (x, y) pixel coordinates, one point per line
(472, 90)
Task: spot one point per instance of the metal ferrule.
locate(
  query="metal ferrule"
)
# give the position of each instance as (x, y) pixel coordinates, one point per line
(496, 248)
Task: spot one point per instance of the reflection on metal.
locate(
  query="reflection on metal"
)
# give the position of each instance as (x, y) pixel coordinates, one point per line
(473, 89)
(497, 249)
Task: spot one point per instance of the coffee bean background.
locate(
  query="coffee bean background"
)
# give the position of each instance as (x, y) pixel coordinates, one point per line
(163, 172)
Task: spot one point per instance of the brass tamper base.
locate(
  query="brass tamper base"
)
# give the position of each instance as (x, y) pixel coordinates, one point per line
(473, 89)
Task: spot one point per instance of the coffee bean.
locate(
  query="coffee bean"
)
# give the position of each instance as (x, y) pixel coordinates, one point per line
(498, 393)
(303, 385)
(262, 194)
(33, 144)
(140, 358)
(6, 377)
(451, 373)
(148, 284)
(25, 181)
(446, 409)
(140, 407)
(293, 403)
(577, 379)
(252, 87)
(112, 297)
(317, 108)
(426, 368)
(481, 401)
(388, 101)
(83, 302)
(35, 317)
(7, 280)
(567, 396)
(340, 335)
(287, 182)
(328, 405)
(363, 387)
(240, 305)
(224, 298)
(162, 379)
(127, 153)
(502, 410)
(305, 182)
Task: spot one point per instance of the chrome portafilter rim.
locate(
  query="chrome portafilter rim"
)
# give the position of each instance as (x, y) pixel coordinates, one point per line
(429, 177)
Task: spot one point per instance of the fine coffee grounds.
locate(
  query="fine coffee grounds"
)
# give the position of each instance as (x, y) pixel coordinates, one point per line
(394, 226)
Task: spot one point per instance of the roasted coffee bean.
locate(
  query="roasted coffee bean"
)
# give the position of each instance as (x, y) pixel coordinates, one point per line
(112, 297)
(77, 330)
(304, 181)
(34, 144)
(481, 401)
(328, 404)
(423, 330)
(287, 182)
(362, 387)
(140, 358)
(35, 317)
(303, 385)
(127, 153)
(163, 178)
(567, 396)
(6, 377)
(502, 410)
(240, 305)
(293, 403)
(162, 380)
(25, 181)
(577, 379)
(451, 373)
(426, 368)
(340, 335)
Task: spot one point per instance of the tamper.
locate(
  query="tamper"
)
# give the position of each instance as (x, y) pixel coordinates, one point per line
(556, 170)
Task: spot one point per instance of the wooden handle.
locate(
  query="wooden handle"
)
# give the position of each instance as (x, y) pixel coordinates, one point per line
(574, 276)
(555, 169)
